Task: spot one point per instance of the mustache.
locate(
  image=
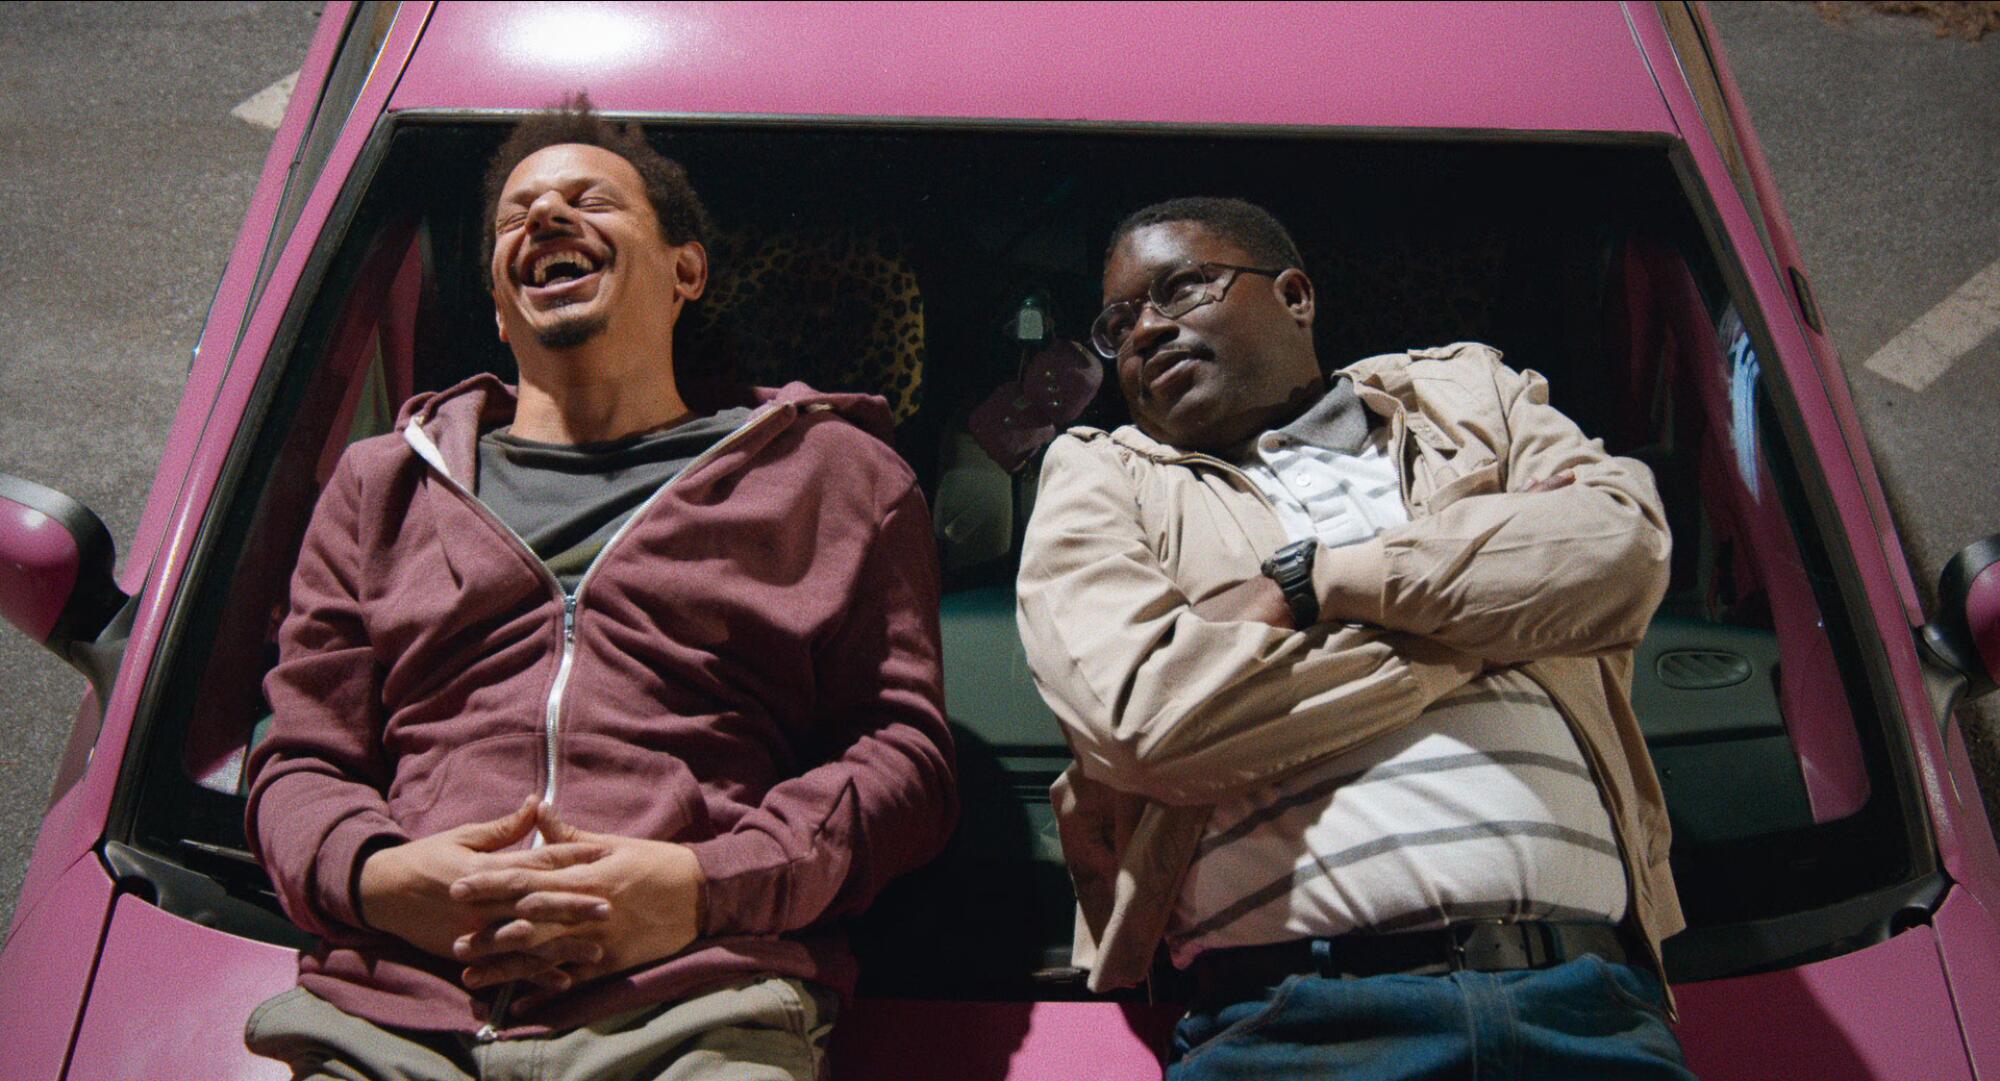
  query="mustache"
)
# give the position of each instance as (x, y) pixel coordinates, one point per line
(1163, 360)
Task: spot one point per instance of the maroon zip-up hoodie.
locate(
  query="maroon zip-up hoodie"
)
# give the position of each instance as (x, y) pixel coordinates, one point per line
(752, 671)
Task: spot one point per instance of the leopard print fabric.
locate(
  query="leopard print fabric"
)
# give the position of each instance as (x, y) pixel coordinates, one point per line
(1406, 294)
(840, 311)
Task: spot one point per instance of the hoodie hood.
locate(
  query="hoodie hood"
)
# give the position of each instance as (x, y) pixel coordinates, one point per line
(453, 419)
(868, 412)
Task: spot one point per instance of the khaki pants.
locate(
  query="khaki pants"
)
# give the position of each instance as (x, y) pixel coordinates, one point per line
(766, 1030)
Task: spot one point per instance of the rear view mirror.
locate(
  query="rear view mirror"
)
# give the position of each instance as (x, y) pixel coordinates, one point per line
(1965, 633)
(55, 571)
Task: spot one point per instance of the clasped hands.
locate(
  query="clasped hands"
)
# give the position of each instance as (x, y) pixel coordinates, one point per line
(580, 906)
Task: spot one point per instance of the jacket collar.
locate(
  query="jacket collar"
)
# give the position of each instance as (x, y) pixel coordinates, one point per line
(1382, 386)
(1387, 386)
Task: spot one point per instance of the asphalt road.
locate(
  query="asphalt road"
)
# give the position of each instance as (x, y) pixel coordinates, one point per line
(1885, 144)
(123, 178)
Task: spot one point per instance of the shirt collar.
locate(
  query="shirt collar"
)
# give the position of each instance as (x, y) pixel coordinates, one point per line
(1337, 422)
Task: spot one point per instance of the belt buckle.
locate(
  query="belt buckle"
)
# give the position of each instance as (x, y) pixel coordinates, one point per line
(1457, 957)
(1536, 947)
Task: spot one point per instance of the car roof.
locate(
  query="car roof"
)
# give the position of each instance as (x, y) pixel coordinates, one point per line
(1483, 67)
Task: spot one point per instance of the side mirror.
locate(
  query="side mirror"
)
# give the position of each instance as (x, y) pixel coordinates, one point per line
(55, 572)
(1965, 634)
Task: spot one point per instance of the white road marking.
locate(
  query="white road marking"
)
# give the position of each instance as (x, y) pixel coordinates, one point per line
(1927, 348)
(266, 108)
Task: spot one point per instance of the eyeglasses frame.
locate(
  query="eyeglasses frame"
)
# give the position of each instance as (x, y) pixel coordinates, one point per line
(1217, 288)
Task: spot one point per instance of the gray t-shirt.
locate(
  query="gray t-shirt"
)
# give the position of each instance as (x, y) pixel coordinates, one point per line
(567, 500)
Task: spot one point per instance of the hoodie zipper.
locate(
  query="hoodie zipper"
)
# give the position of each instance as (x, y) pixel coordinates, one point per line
(426, 449)
(552, 713)
(572, 602)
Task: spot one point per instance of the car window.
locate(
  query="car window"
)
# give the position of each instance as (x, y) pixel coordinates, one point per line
(1748, 685)
(954, 273)
(367, 28)
(1697, 66)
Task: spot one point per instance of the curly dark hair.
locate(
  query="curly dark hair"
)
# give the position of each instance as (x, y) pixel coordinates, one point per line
(575, 120)
(1248, 225)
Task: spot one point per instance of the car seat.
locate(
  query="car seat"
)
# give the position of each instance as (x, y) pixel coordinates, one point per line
(842, 309)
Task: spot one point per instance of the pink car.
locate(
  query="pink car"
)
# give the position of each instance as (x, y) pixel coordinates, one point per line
(914, 203)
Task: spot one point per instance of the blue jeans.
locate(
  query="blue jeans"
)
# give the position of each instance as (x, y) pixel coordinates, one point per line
(1583, 1019)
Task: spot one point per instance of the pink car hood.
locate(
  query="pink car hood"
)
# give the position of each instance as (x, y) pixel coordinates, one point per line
(170, 998)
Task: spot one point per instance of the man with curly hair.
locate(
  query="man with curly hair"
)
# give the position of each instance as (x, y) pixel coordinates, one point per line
(592, 711)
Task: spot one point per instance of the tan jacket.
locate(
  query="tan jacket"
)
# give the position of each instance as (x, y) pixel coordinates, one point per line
(1169, 713)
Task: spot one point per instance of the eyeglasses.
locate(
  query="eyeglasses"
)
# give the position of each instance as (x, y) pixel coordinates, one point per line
(1172, 294)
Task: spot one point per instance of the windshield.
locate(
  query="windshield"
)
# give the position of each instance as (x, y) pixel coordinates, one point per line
(956, 273)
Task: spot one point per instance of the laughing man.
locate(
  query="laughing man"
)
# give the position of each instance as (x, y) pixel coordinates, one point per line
(592, 711)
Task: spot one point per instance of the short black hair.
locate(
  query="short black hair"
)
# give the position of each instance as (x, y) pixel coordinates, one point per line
(1244, 223)
(575, 120)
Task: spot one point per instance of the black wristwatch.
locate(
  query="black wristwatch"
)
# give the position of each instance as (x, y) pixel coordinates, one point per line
(1292, 569)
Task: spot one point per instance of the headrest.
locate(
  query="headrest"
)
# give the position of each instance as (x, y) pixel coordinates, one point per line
(839, 310)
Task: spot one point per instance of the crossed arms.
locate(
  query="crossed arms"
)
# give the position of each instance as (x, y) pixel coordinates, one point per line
(1187, 704)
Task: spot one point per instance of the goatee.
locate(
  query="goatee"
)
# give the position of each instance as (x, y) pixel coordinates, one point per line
(570, 333)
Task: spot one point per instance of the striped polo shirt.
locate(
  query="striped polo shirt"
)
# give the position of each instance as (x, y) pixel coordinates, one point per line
(1482, 807)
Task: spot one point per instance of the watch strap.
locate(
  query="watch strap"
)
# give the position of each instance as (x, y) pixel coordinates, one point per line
(1291, 567)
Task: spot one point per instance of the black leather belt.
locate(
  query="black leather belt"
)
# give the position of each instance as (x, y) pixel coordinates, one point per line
(1474, 945)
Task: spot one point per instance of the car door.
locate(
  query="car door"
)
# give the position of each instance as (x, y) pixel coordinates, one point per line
(173, 982)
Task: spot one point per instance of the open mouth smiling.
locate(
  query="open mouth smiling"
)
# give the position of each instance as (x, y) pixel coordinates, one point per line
(556, 274)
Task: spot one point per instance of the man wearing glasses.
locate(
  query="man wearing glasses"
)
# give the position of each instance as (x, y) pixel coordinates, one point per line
(1344, 664)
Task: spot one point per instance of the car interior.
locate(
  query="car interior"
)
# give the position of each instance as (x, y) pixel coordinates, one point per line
(955, 273)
